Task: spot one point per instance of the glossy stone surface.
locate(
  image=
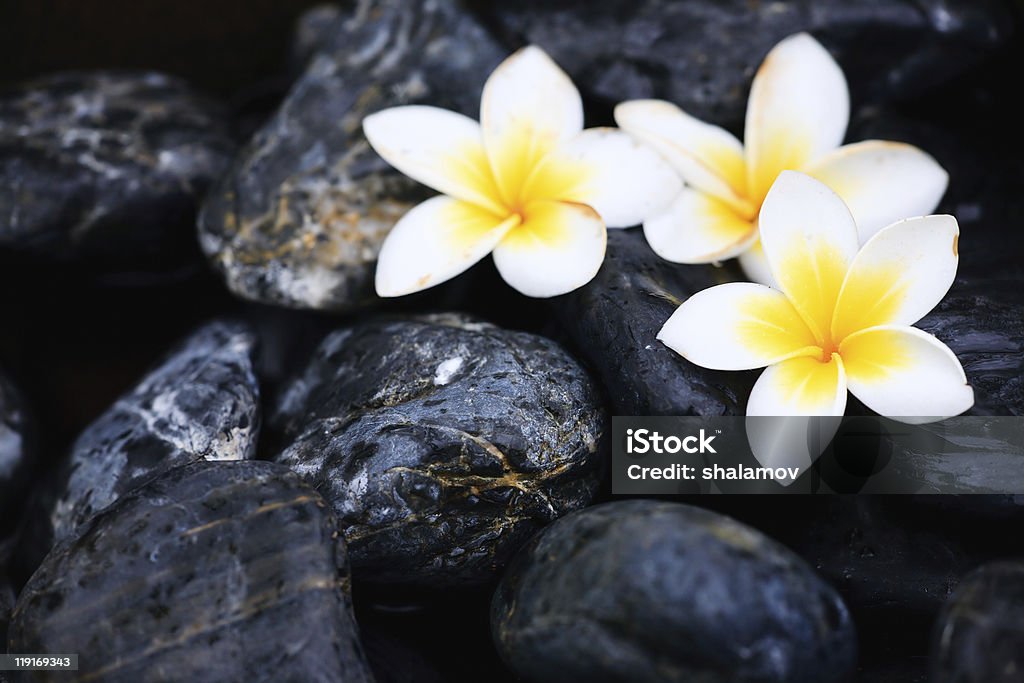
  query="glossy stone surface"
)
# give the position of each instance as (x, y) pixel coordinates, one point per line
(642, 590)
(213, 572)
(200, 403)
(613, 323)
(442, 443)
(107, 167)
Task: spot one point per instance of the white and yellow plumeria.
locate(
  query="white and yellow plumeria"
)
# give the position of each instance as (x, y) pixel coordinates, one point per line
(841, 316)
(796, 119)
(527, 183)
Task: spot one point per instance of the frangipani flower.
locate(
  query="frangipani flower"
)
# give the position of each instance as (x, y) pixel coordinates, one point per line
(841, 316)
(796, 119)
(527, 183)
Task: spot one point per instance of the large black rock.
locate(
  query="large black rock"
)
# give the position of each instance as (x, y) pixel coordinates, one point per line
(300, 219)
(654, 591)
(15, 453)
(442, 443)
(979, 638)
(107, 166)
(213, 572)
(702, 55)
(200, 403)
(614, 320)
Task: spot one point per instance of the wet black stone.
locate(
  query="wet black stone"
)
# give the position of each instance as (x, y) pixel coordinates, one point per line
(981, 321)
(212, 572)
(299, 220)
(979, 638)
(654, 591)
(109, 167)
(200, 403)
(16, 453)
(613, 323)
(442, 443)
(702, 55)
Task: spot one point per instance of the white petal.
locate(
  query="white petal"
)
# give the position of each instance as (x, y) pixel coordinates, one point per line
(882, 182)
(809, 239)
(434, 242)
(899, 275)
(528, 108)
(798, 110)
(794, 441)
(436, 147)
(625, 181)
(800, 386)
(737, 326)
(698, 228)
(560, 247)
(707, 157)
(906, 374)
(755, 265)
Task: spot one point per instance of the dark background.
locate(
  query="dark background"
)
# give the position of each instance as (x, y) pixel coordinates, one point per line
(222, 46)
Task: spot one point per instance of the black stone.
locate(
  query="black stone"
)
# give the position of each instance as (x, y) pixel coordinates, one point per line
(655, 591)
(982, 322)
(16, 453)
(299, 220)
(213, 572)
(442, 443)
(702, 55)
(313, 32)
(108, 167)
(979, 637)
(200, 403)
(614, 321)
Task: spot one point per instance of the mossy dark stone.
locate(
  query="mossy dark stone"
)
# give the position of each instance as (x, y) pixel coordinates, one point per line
(654, 591)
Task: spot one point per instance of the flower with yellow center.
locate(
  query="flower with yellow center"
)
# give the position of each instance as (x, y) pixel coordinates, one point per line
(796, 119)
(840, 318)
(527, 183)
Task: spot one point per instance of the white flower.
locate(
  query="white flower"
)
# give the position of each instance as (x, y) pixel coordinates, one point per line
(796, 119)
(841, 316)
(527, 183)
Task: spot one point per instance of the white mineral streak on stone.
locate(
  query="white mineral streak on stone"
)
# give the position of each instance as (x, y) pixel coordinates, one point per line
(110, 470)
(446, 370)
